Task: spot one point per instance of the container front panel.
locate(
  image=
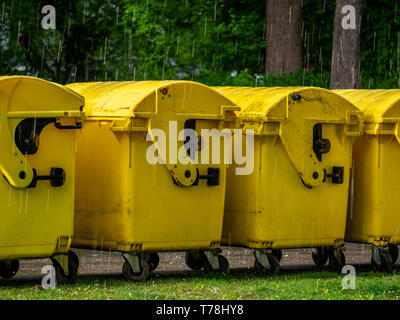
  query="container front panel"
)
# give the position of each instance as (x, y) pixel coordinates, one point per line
(275, 209)
(125, 203)
(34, 219)
(102, 164)
(374, 214)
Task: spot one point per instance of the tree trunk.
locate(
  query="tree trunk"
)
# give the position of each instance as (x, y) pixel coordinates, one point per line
(284, 42)
(345, 67)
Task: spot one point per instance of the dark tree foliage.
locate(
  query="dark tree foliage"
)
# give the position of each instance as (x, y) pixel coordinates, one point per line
(74, 51)
(217, 42)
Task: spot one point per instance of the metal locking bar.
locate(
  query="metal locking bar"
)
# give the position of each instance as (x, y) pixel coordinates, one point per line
(320, 145)
(212, 177)
(56, 177)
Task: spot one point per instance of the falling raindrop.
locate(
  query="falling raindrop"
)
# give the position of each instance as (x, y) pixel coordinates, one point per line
(48, 200)
(163, 69)
(215, 10)
(19, 29)
(59, 51)
(264, 30)
(374, 41)
(69, 26)
(84, 12)
(2, 14)
(9, 196)
(109, 258)
(41, 65)
(205, 27)
(26, 201)
(193, 48)
(116, 21)
(236, 42)
(100, 55)
(177, 46)
(20, 202)
(105, 50)
(75, 70)
(398, 52)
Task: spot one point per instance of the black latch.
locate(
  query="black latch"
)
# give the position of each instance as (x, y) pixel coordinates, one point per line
(28, 131)
(336, 175)
(27, 134)
(212, 177)
(56, 177)
(320, 145)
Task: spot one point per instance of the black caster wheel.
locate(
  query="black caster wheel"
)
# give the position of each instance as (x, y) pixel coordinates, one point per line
(143, 275)
(224, 267)
(195, 260)
(277, 253)
(320, 257)
(394, 252)
(336, 264)
(73, 263)
(274, 266)
(74, 256)
(386, 263)
(154, 261)
(8, 269)
(223, 262)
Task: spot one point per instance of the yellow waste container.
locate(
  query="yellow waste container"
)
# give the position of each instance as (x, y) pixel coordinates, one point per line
(297, 195)
(129, 203)
(37, 144)
(374, 214)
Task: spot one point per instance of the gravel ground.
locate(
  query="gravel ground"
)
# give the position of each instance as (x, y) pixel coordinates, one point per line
(104, 262)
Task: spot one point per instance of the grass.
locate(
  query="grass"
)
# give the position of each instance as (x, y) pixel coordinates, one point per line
(241, 284)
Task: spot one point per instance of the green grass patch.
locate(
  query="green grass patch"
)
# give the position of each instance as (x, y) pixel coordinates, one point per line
(238, 285)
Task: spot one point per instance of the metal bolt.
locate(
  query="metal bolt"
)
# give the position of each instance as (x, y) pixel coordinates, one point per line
(296, 97)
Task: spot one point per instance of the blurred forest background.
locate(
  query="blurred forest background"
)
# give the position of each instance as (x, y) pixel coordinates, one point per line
(216, 42)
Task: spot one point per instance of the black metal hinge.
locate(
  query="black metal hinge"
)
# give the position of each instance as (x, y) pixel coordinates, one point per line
(320, 145)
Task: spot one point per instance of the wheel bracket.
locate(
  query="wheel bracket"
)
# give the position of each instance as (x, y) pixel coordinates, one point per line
(62, 260)
(262, 258)
(376, 254)
(133, 260)
(212, 259)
